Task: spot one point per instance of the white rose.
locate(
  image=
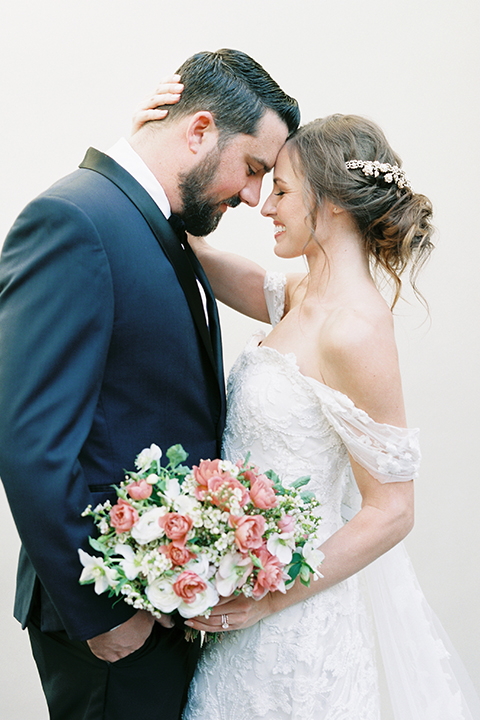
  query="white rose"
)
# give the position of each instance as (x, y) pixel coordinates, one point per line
(162, 595)
(147, 528)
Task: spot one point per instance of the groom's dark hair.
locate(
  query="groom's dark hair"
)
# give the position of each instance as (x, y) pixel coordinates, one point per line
(235, 89)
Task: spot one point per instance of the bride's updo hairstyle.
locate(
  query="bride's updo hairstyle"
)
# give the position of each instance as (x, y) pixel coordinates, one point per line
(394, 221)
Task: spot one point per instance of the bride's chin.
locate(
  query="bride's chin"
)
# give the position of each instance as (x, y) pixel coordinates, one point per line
(283, 252)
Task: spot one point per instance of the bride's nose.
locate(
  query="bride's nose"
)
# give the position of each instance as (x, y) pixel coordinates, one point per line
(268, 208)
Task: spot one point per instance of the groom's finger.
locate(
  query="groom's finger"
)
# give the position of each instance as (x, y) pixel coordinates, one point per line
(166, 621)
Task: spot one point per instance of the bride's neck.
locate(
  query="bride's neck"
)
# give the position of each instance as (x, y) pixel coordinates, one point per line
(336, 264)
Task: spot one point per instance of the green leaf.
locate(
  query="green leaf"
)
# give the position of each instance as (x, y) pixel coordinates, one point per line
(273, 477)
(307, 496)
(277, 483)
(181, 471)
(294, 569)
(300, 482)
(176, 454)
(98, 545)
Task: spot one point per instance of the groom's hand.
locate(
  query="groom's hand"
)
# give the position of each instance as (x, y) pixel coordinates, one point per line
(126, 638)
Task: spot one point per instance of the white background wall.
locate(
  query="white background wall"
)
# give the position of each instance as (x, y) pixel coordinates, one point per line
(72, 73)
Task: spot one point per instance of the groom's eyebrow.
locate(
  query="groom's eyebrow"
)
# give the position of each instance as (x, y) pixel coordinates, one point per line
(263, 164)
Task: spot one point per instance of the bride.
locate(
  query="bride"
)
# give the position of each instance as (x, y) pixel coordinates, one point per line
(321, 395)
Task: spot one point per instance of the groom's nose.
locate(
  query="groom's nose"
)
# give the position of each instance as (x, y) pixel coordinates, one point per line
(250, 194)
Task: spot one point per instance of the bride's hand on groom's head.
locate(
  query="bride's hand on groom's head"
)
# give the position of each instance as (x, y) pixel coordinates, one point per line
(168, 92)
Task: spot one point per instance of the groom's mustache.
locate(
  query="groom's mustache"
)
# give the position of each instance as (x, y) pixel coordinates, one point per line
(233, 202)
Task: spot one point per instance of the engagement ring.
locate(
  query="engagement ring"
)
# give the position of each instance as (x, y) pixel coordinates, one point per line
(225, 622)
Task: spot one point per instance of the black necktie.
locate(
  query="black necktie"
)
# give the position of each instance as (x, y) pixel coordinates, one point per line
(178, 226)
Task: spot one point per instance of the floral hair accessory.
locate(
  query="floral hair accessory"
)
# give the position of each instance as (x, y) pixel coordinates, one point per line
(390, 173)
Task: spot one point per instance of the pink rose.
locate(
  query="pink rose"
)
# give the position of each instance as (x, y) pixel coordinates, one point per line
(272, 576)
(139, 490)
(222, 487)
(286, 524)
(178, 553)
(248, 531)
(202, 473)
(176, 526)
(188, 585)
(262, 493)
(123, 516)
(250, 474)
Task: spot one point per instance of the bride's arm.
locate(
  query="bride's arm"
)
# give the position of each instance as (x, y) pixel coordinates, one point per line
(152, 108)
(368, 368)
(235, 280)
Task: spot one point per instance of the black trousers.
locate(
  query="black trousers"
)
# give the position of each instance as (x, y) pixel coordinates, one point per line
(150, 684)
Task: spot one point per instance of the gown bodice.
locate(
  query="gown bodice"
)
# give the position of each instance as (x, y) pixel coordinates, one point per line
(315, 660)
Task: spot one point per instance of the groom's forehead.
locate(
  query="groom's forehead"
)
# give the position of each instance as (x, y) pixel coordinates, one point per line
(263, 147)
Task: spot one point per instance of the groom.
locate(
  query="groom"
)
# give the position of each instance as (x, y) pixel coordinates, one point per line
(109, 342)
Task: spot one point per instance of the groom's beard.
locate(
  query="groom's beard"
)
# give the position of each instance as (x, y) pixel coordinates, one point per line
(200, 215)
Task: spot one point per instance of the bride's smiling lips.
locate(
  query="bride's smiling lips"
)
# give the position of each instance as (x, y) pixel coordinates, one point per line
(278, 229)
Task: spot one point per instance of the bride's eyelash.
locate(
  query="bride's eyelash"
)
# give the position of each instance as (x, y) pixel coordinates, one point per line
(280, 192)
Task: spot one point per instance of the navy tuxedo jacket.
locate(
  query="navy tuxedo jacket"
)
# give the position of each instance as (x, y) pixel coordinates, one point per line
(101, 354)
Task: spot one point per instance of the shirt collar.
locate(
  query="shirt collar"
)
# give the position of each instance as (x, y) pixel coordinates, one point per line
(123, 153)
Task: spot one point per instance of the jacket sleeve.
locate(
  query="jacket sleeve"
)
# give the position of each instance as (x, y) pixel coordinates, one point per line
(56, 320)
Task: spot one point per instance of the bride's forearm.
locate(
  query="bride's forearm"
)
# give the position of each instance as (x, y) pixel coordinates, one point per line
(235, 280)
(370, 534)
(373, 531)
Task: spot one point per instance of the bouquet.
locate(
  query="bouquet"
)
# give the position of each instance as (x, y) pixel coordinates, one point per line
(179, 537)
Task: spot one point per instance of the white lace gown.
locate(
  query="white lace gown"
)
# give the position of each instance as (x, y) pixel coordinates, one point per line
(313, 660)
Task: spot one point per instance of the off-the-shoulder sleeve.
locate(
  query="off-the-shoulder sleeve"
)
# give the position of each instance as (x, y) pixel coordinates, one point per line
(274, 289)
(387, 452)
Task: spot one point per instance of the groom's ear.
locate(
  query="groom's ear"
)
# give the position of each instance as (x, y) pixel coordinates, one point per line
(201, 133)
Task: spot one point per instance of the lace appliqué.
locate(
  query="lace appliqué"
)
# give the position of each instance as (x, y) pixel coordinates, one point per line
(315, 660)
(274, 289)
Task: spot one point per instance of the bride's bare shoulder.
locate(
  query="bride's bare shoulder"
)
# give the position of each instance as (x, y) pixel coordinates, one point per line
(360, 358)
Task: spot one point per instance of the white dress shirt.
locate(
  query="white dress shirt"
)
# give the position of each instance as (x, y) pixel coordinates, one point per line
(123, 153)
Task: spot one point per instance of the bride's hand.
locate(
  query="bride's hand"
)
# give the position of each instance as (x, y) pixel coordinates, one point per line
(237, 612)
(168, 92)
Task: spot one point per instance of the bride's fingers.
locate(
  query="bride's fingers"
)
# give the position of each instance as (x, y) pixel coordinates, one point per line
(170, 79)
(215, 623)
(168, 89)
(168, 92)
(143, 116)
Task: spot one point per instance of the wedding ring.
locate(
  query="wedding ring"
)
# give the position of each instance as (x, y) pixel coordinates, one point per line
(225, 624)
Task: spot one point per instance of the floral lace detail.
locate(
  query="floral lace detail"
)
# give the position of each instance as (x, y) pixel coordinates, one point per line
(313, 660)
(274, 289)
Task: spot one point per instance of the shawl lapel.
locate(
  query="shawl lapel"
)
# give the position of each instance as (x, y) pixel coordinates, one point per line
(171, 246)
(166, 238)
